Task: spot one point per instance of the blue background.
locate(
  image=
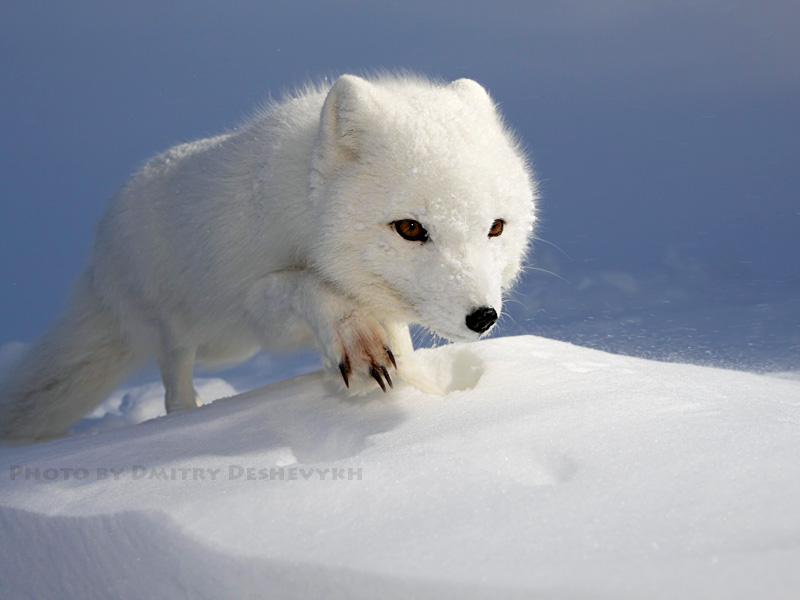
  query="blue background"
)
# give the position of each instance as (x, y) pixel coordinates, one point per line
(666, 137)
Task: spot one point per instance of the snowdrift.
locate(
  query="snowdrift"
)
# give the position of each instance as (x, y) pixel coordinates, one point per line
(550, 471)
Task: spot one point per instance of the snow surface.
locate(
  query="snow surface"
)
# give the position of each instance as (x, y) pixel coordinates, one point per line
(556, 471)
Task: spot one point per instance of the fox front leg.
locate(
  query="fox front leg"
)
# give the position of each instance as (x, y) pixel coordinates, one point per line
(355, 346)
(363, 345)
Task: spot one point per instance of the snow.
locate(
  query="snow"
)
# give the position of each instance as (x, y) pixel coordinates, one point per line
(551, 470)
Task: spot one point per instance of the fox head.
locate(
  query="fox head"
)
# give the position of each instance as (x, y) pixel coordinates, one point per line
(424, 199)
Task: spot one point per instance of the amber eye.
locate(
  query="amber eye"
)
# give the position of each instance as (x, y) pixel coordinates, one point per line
(411, 230)
(497, 228)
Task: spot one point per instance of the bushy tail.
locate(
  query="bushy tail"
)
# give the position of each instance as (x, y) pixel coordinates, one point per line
(66, 373)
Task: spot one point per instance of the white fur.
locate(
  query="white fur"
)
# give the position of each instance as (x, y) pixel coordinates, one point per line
(278, 235)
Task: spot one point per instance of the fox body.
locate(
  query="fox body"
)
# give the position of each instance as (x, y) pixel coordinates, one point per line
(336, 216)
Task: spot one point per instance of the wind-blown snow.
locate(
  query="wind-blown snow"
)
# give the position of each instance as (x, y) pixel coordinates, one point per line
(558, 471)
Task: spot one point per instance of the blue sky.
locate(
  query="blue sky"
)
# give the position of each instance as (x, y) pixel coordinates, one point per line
(665, 135)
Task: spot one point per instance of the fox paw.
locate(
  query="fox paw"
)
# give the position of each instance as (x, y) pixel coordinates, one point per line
(362, 353)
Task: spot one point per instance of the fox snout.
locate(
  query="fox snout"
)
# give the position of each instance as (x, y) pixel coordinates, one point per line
(481, 319)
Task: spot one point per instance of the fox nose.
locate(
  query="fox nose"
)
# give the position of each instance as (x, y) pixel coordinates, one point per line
(481, 319)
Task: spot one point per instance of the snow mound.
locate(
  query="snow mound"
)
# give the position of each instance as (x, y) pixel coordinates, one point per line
(552, 471)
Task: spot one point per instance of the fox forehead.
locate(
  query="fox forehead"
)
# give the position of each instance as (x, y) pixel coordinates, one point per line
(470, 171)
(454, 195)
(436, 142)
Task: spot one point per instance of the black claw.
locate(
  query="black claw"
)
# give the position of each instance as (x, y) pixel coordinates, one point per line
(386, 376)
(391, 356)
(377, 377)
(344, 368)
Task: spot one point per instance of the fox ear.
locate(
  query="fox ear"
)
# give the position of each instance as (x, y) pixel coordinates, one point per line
(472, 92)
(347, 110)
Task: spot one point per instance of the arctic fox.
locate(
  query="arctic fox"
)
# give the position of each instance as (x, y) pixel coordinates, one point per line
(336, 216)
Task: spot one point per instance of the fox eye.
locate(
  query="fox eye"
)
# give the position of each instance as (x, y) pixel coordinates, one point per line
(496, 228)
(411, 230)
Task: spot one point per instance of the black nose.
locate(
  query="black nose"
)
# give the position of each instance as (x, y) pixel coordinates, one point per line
(481, 319)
